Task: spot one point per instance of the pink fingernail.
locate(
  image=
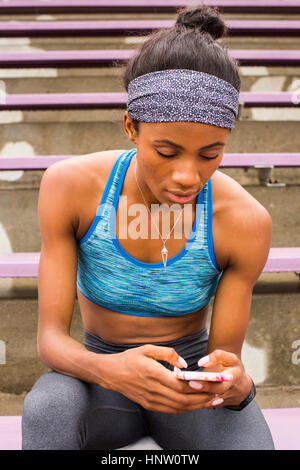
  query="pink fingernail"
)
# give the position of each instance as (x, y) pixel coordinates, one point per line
(218, 401)
(195, 384)
(203, 360)
(182, 361)
(178, 372)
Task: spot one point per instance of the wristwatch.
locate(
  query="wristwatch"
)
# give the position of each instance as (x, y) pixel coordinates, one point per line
(245, 402)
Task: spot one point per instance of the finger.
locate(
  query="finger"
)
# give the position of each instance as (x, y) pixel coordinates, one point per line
(179, 401)
(164, 353)
(177, 393)
(162, 379)
(212, 388)
(219, 356)
(216, 402)
(174, 392)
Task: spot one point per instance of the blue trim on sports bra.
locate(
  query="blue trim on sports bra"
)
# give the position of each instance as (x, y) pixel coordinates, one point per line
(209, 226)
(102, 201)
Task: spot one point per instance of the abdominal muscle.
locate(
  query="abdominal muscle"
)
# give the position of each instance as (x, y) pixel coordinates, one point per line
(120, 328)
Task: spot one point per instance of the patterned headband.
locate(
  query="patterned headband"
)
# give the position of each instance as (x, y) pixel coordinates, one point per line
(182, 95)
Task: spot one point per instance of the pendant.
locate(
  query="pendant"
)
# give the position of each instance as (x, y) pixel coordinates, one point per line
(164, 254)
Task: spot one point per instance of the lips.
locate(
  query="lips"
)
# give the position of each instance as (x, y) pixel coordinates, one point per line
(182, 194)
(177, 197)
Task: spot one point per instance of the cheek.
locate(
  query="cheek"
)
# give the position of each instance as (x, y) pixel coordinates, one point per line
(155, 180)
(152, 173)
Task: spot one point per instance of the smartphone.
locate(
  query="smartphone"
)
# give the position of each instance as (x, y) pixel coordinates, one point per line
(207, 376)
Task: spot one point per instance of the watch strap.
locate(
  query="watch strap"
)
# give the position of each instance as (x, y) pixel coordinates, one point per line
(246, 401)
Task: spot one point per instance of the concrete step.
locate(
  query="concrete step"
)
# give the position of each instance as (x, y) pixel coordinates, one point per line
(26, 44)
(79, 132)
(19, 218)
(109, 79)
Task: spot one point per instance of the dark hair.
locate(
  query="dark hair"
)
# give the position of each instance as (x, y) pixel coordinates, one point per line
(190, 44)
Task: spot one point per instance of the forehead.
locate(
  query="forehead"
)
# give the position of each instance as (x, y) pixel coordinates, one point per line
(183, 131)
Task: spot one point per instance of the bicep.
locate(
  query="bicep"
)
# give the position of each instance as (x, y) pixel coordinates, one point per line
(58, 257)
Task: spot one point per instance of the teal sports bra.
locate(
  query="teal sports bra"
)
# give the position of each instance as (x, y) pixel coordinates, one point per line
(108, 276)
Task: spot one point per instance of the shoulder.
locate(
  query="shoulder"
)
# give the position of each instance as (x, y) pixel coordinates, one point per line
(246, 225)
(234, 203)
(79, 179)
(83, 174)
(81, 168)
(230, 198)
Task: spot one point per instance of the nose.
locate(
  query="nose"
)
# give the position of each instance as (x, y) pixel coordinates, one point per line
(186, 177)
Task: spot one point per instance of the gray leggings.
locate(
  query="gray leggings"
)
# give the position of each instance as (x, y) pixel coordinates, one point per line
(65, 413)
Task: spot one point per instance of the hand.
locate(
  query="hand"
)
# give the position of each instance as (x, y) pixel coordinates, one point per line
(136, 374)
(233, 392)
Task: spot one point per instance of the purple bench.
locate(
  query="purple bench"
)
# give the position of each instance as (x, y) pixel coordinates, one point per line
(144, 6)
(138, 28)
(284, 424)
(41, 101)
(25, 264)
(229, 160)
(263, 162)
(108, 58)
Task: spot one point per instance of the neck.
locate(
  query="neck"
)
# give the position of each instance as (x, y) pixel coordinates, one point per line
(142, 189)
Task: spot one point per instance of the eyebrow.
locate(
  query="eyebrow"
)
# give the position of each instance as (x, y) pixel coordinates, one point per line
(166, 141)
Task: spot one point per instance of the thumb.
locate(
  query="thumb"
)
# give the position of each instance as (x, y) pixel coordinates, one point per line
(163, 353)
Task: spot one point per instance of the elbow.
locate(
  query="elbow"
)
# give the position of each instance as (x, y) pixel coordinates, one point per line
(46, 348)
(43, 353)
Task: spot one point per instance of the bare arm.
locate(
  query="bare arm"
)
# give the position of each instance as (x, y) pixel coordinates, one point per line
(250, 239)
(250, 235)
(57, 279)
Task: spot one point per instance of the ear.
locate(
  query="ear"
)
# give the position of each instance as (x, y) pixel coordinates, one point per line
(128, 127)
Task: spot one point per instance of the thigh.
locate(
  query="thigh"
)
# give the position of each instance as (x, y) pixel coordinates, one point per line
(52, 413)
(211, 429)
(113, 421)
(62, 412)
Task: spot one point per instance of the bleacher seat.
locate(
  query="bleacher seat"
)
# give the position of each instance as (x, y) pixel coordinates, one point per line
(40, 7)
(139, 28)
(281, 259)
(118, 100)
(108, 58)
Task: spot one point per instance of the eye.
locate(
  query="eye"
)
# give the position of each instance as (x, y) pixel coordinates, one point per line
(209, 158)
(166, 156)
(203, 156)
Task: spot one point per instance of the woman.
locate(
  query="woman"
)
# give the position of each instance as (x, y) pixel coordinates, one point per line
(144, 298)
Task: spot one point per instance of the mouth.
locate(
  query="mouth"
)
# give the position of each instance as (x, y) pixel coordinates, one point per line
(181, 197)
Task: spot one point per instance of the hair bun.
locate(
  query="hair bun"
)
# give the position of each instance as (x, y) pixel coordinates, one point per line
(204, 18)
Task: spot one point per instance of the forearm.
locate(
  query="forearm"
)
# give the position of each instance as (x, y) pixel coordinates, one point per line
(62, 353)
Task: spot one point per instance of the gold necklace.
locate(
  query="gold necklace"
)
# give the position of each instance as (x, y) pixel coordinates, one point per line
(164, 251)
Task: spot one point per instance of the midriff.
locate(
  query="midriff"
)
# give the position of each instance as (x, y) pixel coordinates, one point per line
(120, 328)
